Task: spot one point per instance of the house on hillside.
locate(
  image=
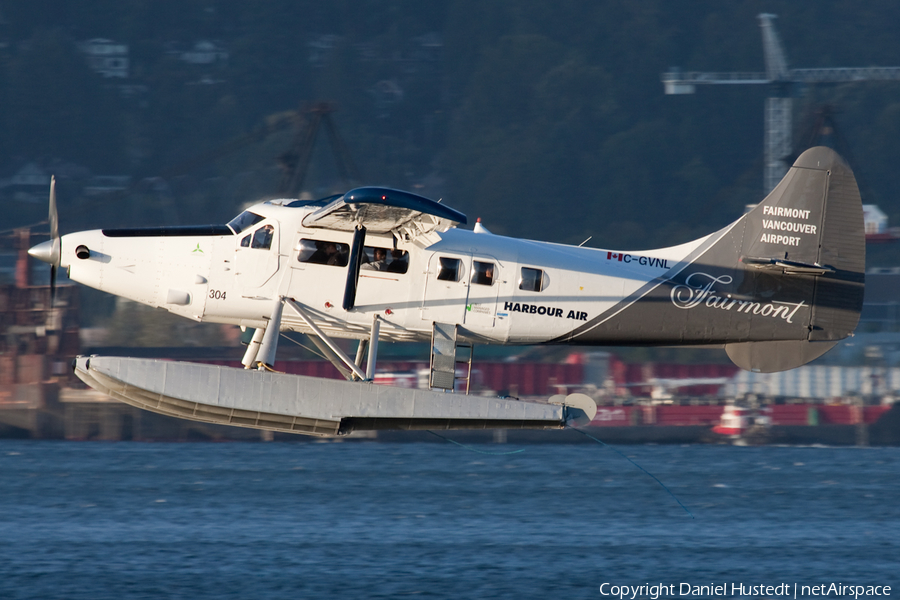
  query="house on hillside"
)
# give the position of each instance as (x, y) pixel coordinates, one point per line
(29, 183)
(205, 52)
(320, 48)
(4, 31)
(106, 57)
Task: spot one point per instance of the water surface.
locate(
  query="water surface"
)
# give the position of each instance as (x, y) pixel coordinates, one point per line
(368, 520)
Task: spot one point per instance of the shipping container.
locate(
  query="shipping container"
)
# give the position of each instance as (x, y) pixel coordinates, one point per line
(817, 382)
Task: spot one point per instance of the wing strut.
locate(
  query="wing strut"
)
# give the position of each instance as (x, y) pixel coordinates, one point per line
(356, 254)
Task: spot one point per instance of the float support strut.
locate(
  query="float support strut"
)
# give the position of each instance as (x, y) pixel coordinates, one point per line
(253, 348)
(361, 352)
(328, 341)
(266, 355)
(373, 348)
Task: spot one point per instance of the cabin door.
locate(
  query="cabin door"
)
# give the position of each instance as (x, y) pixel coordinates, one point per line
(446, 288)
(485, 279)
(256, 256)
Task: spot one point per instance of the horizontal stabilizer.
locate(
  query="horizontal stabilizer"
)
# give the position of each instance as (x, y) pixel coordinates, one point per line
(308, 405)
(787, 267)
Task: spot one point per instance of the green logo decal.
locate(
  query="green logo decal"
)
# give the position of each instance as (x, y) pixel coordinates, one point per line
(197, 249)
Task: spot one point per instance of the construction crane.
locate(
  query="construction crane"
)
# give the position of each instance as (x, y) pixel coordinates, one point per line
(295, 162)
(779, 105)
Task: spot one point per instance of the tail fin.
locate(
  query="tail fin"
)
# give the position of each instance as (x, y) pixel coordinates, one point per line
(809, 233)
(777, 288)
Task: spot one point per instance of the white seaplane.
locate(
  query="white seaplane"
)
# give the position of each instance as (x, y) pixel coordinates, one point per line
(776, 288)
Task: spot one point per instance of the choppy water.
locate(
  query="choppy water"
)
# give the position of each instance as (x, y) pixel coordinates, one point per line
(366, 520)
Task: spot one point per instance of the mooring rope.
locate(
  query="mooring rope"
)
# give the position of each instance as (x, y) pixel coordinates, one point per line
(471, 449)
(599, 441)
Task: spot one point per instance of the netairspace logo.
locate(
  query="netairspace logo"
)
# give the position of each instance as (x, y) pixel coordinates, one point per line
(712, 590)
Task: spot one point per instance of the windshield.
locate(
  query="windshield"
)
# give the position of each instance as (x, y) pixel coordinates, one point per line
(244, 220)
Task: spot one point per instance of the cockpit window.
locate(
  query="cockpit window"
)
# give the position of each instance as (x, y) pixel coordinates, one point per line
(244, 220)
(262, 239)
(323, 253)
(245, 243)
(533, 280)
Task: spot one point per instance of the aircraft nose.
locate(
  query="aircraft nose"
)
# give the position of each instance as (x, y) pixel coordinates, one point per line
(42, 251)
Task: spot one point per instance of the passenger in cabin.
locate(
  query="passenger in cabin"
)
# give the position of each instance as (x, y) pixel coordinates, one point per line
(380, 260)
(334, 255)
(326, 254)
(399, 262)
(318, 257)
(483, 273)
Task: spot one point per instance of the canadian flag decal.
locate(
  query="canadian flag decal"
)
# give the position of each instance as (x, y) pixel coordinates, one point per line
(614, 256)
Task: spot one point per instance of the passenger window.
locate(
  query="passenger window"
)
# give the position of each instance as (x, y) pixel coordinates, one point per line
(533, 280)
(450, 268)
(482, 273)
(323, 253)
(262, 239)
(245, 243)
(399, 262)
(383, 259)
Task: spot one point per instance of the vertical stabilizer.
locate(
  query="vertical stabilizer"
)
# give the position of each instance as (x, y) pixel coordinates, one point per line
(808, 233)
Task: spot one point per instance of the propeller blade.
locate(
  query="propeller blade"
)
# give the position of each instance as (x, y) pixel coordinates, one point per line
(55, 246)
(53, 218)
(52, 285)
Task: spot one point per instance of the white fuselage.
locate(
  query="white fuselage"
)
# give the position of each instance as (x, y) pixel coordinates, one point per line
(213, 278)
(776, 288)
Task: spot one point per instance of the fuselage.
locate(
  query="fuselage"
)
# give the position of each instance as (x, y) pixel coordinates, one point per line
(499, 290)
(777, 287)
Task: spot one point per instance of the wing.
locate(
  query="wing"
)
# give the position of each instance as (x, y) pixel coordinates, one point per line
(383, 210)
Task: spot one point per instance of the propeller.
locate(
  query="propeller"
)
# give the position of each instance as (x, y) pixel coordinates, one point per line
(50, 251)
(55, 245)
